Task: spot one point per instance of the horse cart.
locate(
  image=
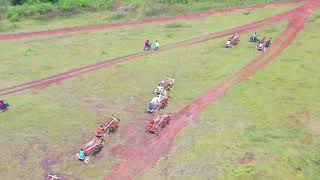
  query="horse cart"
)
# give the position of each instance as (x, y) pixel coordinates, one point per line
(158, 123)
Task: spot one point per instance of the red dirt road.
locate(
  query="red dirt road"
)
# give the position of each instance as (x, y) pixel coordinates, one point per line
(44, 82)
(138, 22)
(144, 153)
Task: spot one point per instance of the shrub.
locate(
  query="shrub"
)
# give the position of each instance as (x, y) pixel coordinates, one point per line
(83, 3)
(17, 2)
(14, 13)
(176, 1)
(65, 5)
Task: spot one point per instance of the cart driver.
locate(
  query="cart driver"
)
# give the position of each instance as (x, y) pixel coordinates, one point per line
(162, 83)
(100, 131)
(232, 37)
(82, 154)
(155, 100)
(160, 89)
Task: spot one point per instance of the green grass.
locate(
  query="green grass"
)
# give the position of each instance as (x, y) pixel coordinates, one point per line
(56, 121)
(76, 17)
(267, 127)
(39, 57)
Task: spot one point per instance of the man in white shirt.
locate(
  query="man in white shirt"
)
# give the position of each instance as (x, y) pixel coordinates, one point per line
(155, 100)
(156, 45)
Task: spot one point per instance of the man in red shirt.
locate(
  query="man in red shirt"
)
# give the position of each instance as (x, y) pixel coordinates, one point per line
(147, 45)
(100, 131)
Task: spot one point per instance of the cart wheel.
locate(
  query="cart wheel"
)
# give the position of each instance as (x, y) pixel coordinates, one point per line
(76, 157)
(86, 159)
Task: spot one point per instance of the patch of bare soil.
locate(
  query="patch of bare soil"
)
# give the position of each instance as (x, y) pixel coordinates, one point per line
(98, 105)
(247, 158)
(48, 161)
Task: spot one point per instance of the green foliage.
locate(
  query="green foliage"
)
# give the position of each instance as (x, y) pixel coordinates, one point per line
(64, 4)
(16, 12)
(177, 1)
(20, 2)
(27, 8)
(152, 8)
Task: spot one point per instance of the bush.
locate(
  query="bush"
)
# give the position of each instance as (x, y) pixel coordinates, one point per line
(20, 2)
(103, 3)
(65, 5)
(176, 1)
(14, 13)
(17, 2)
(26, 8)
(83, 3)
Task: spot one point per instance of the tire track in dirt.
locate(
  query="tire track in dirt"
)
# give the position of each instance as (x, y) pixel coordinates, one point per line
(141, 156)
(44, 82)
(140, 22)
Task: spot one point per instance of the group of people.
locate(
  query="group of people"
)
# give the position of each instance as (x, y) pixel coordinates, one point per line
(148, 45)
(232, 41)
(161, 98)
(158, 101)
(255, 38)
(266, 42)
(3, 106)
(262, 44)
(161, 117)
(111, 124)
(159, 121)
(85, 150)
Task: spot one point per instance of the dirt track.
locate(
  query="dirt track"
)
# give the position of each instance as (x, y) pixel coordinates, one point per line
(140, 156)
(137, 22)
(44, 82)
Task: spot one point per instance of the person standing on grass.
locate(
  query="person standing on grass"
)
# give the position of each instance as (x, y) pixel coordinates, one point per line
(156, 45)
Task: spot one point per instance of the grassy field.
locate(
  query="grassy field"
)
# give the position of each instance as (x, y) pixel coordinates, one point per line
(34, 58)
(48, 126)
(138, 9)
(267, 127)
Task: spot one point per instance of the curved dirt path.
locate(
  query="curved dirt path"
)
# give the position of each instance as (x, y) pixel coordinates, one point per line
(44, 82)
(139, 22)
(146, 151)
